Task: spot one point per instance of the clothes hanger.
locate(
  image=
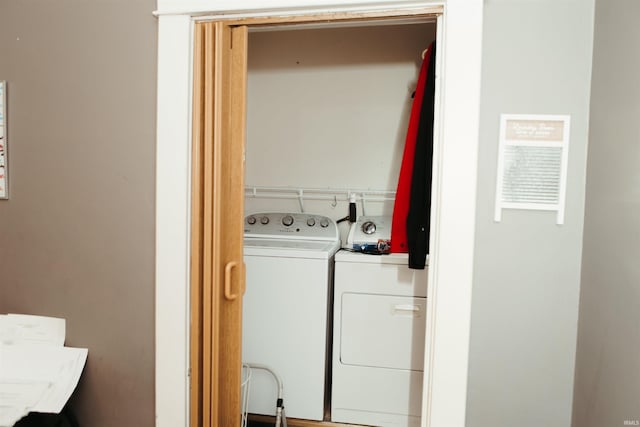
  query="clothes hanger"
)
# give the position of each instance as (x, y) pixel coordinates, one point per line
(424, 52)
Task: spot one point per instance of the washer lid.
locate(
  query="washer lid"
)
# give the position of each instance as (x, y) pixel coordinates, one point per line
(290, 248)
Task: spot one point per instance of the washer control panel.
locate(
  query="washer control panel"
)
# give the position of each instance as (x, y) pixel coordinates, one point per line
(290, 225)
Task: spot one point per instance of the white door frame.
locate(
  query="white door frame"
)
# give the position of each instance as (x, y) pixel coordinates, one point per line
(453, 207)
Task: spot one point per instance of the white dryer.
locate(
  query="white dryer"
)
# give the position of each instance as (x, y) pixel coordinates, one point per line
(378, 340)
(289, 262)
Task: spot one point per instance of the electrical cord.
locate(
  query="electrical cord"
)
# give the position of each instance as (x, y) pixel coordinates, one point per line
(346, 218)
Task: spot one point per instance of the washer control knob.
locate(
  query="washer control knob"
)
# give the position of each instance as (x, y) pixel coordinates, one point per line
(287, 220)
(324, 223)
(251, 220)
(264, 220)
(369, 227)
(311, 222)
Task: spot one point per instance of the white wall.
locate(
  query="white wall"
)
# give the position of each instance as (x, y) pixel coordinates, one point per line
(536, 59)
(329, 108)
(607, 385)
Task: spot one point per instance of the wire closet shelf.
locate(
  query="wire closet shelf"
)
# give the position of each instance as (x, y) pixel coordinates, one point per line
(332, 195)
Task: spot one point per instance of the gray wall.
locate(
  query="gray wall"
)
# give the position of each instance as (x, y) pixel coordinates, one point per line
(77, 235)
(536, 59)
(607, 386)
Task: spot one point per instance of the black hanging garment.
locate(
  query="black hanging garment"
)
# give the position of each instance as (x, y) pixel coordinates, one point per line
(418, 218)
(403, 193)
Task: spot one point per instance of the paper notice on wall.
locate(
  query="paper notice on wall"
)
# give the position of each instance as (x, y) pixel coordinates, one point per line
(532, 163)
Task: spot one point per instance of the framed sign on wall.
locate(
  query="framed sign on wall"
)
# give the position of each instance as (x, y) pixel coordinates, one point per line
(532, 163)
(4, 191)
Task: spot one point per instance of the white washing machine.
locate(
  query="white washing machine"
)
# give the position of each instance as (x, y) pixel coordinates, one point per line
(378, 339)
(289, 261)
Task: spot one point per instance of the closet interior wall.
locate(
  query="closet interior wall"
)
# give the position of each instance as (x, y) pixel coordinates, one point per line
(328, 108)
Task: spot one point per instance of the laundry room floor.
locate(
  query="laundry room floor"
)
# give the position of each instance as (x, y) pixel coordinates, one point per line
(264, 421)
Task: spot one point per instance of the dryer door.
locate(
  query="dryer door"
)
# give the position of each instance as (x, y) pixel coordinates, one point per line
(383, 331)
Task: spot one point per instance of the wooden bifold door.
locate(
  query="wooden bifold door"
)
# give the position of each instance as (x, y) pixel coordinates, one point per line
(217, 209)
(217, 268)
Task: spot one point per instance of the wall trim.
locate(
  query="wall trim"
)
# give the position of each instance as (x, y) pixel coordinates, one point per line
(453, 213)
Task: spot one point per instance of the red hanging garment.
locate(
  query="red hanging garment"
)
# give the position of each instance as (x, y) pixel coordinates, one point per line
(403, 192)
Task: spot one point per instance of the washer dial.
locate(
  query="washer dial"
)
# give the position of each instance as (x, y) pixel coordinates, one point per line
(287, 220)
(369, 227)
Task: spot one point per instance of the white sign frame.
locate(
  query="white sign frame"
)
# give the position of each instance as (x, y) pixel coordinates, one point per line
(540, 134)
